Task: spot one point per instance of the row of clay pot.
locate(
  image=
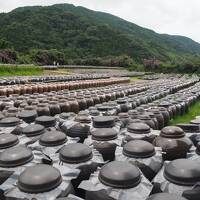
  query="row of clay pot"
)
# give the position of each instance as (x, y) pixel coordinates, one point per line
(47, 87)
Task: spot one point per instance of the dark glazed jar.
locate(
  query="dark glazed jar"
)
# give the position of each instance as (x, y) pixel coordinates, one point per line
(103, 142)
(104, 122)
(165, 114)
(54, 108)
(159, 117)
(82, 103)
(64, 106)
(173, 142)
(43, 109)
(74, 106)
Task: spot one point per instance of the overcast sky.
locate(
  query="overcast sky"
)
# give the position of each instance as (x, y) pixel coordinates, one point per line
(180, 17)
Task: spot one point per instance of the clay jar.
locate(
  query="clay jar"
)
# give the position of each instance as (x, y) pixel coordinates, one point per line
(64, 106)
(102, 138)
(54, 108)
(159, 117)
(74, 106)
(173, 142)
(82, 102)
(147, 120)
(165, 114)
(43, 109)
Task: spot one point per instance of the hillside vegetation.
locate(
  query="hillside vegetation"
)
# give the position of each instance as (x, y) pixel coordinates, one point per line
(76, 35)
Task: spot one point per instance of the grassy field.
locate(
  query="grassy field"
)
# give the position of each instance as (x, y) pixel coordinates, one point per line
(192, 113)
(11, 70)
(135, 78)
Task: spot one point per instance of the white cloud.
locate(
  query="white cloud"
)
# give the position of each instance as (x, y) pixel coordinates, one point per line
(180, 17)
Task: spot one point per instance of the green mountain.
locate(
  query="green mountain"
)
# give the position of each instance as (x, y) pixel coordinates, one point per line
(82, 33)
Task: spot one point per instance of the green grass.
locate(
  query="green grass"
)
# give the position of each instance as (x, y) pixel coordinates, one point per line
(15, 70)
(135, 78)
(192, 113)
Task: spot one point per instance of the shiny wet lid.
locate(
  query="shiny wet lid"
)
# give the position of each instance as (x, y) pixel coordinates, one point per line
(172, 132)
(104, 134)
(9, 122)
(53, 138)
(183, 172)
(39, 178)
(103, 121)
(138, 128)
(138, 149)
(8, 140)
(119, 174)
(46, 121)
(28, 115)
(15, 156)
(75, 153)
(33, 130)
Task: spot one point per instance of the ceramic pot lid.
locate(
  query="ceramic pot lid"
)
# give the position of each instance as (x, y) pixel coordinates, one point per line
(28, 115)
(123, 115)
(189, 128)
(172, 132)
(119, 174)
(165, 196)
(67, 115)
(104, 121)
(9, 122)
(195, 121)
(138, 128)
(122, 101)
(15, 156)
(46, 121)
(83, 119)
(183, 172)
(94, 113)
(138, 149)
(8, 140)
(75, 153)
(33, 130)
(104, 108)
(104, 134)
(39, 178)
(78, 130)
(52, 138)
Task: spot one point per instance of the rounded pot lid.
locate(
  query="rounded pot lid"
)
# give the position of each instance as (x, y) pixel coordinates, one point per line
(94, 113)
(78, 130)
(9, 122)
(189, 128)
(46, 121)
(104, 108)
(138, 128)
(8, 140)
(103, 121)
(83, 119)
(33, 130)
(195, 121)
(183, 172)
(28, 115)
(119, 174)
(138, 149)
(15, 156)
(172, 132)
(165, 196)
(67, 115)
(39, 178)
(52, 138)
(104, 134)
(75, 153)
